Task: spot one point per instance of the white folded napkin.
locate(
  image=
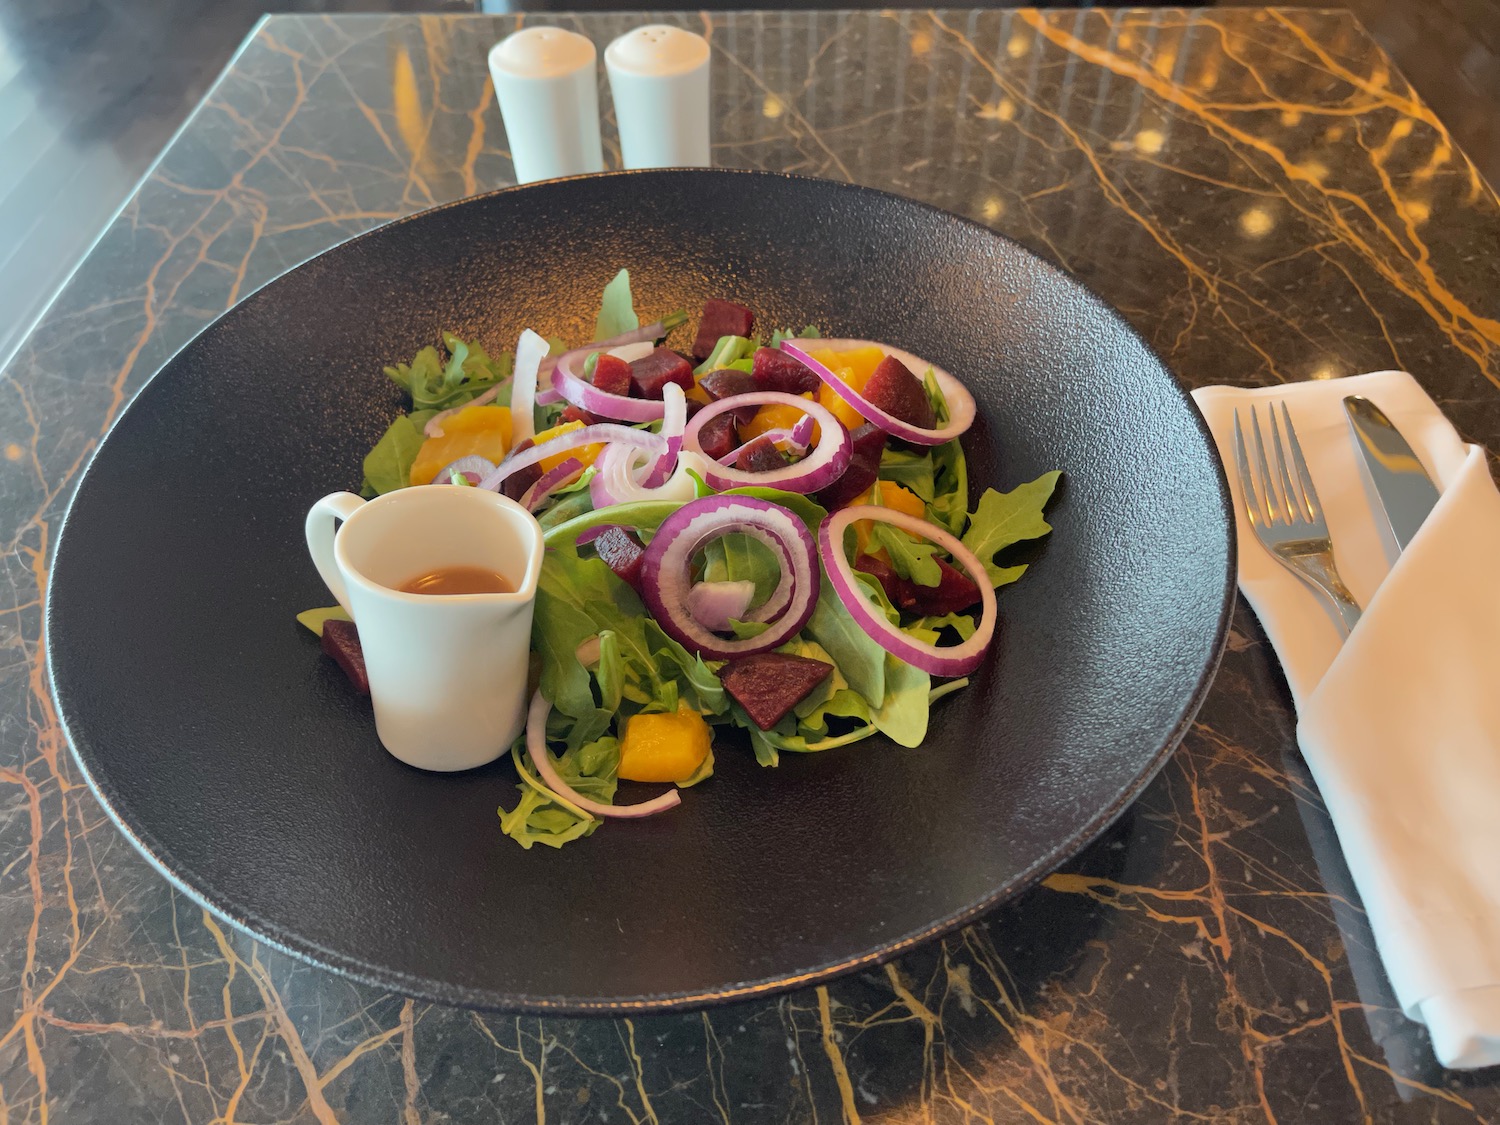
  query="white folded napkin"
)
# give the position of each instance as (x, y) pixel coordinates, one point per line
(1399, 724)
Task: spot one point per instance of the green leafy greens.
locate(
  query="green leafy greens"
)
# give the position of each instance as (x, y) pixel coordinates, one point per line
(1006, 518)
(616, 309)
(437, 385)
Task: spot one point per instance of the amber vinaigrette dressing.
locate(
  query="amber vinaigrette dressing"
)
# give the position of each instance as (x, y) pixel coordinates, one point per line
(458, 580)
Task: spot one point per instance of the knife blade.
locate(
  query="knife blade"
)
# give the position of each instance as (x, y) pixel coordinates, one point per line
(1406, 492)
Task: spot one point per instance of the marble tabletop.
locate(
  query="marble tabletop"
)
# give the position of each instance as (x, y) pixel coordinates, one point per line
(1258, 191)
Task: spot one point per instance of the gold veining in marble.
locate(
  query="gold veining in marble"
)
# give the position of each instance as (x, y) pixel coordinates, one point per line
(1258, 192)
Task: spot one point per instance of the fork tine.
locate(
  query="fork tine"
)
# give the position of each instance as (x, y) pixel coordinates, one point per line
(1253, 506)
(1296, 506)
(1304, 478)
(1272, 502)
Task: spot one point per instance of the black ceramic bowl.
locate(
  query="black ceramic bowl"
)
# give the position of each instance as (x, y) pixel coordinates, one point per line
(239, 761)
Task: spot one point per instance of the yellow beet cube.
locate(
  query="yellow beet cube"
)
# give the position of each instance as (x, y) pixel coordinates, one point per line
(663, 747)
(854, 367)
(892, 495)
(475, 430)
(585, 454)
(776, 417)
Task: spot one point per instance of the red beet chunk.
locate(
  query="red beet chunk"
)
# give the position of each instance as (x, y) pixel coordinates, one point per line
(760, 456)
(341, 641)
(898, 392)
(864, 467)
(612, 375)
(721, 318)
(651, 373)
(869, 443)
(769, 684)
(955, 591)
(719, 438)
(517, 483)
(726, 383)
(774, 370)
(880, 570)
(622, 552)
(573, 414)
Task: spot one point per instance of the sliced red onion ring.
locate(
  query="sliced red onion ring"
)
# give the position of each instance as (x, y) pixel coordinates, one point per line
(649, 333)
(598, 433)
(820, 468)
(955, 660)
(616, 483)
(531, 349)
(673, 423)
(473, 468)
(549, 482)
(714, 604)
(785, 438)
(621, 479)
(961, 408)
(536, 745)
(581, 393)
(666, 573)
(802, 432)
(632, 352)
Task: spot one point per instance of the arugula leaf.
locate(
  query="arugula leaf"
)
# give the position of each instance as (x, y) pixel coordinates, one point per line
(569, 593)
(314, 618)
(808, 511)
(437, 385)
(856, 654)
(809, 333)
(913, 471)
(1004, 518)
(571, 506)
(962, 623)
(609, 673)
(639, 668)
(910, 558)
(737, 557)
(643, 515)
(541, 817)
(388, 465)
(616, 309)
(833, 698)
(537, 820)
(704, 771)
(949, 506)
(726, 351)
(697, 684)
(902, 717)
(936, 400)
(744, 630)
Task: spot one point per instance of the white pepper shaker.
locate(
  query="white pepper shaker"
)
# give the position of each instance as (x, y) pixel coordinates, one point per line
(547, 81)
(659, 78)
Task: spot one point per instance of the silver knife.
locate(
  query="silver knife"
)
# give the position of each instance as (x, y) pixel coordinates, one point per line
(1406, 491)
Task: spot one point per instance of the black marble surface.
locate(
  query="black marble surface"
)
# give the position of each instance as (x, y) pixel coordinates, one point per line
(1257, 190)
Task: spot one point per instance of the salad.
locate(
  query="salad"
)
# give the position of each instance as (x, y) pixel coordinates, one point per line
(770, 533)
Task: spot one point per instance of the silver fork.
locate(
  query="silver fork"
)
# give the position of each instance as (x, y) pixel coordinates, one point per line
(1286, 515)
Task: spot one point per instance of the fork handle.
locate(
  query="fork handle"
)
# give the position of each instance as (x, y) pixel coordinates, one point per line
(1325, 579)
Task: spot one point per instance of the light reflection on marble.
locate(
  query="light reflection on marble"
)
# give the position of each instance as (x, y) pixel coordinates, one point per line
(1260, 194)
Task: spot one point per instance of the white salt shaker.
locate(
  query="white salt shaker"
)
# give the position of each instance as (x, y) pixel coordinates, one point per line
(659, 78)
(547, 80)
